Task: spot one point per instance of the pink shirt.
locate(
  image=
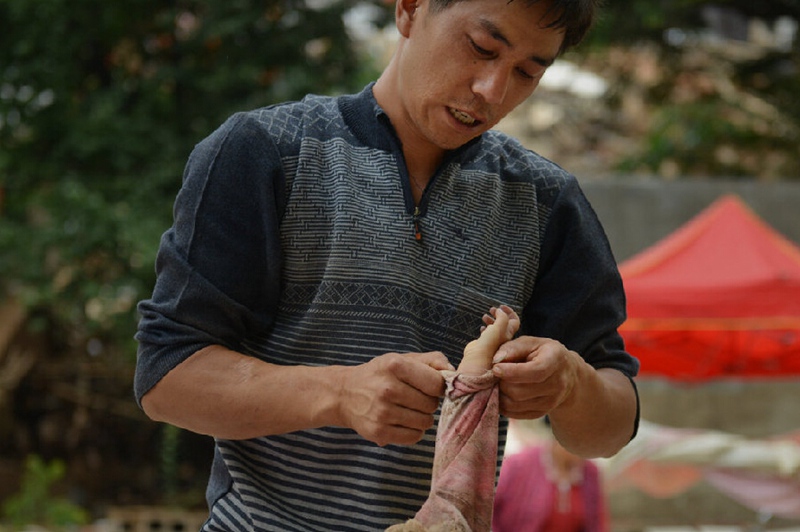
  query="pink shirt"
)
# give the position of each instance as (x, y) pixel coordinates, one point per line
(527, 500)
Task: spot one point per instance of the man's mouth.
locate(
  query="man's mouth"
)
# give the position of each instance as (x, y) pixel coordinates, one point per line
(462, 117)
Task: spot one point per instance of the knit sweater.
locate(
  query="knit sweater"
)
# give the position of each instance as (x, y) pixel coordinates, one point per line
(296, 240)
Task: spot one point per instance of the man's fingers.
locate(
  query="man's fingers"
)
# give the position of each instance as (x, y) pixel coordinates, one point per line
(396, 435)
(517, 350)
(526, 349)
(435, 359)
(423, 374)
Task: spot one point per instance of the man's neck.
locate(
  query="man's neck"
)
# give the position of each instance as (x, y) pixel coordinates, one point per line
(421, 157)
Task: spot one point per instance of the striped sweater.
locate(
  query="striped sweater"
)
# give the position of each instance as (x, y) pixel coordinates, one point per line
(295, 241)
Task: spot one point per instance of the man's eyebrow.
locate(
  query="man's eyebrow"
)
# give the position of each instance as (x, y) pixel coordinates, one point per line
(492, 29)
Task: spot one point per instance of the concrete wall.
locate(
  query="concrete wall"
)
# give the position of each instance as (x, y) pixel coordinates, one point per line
(636, 214)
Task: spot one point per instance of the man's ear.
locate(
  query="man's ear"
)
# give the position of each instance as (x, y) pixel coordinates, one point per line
(405, 13)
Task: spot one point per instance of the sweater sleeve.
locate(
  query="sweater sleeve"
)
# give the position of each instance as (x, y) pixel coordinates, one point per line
(218, 266)
(578, 298)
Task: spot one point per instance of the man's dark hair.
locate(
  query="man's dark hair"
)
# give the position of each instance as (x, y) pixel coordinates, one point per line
(575, 17)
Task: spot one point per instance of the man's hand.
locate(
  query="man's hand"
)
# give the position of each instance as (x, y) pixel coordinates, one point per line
(536, 375)
(592, 411)
(392, 398)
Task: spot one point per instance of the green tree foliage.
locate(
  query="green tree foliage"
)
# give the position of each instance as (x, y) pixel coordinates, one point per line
(725, 101)
(100, 105)
(35, 502)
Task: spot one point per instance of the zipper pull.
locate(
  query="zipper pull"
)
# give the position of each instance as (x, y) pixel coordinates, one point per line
(415, 219)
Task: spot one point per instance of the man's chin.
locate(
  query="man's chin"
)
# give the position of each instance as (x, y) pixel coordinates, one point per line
(456, 142)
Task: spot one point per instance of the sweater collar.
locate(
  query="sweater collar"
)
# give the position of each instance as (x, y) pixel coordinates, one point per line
(371, 125)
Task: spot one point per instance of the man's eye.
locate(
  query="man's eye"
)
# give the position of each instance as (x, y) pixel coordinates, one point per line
(480, 50)
(525, 74)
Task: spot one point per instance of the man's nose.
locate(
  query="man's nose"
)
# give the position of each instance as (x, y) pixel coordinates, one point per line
(491, 83)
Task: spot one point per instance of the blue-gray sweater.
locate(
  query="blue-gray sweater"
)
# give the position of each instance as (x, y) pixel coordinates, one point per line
(295, 241)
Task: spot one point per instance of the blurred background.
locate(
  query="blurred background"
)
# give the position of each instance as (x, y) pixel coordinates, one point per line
(666, 108)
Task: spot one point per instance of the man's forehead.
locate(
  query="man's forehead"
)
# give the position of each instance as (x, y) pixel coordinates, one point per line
(496, 33)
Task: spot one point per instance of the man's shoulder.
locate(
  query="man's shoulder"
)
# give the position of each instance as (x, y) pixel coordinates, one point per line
(518, 161)
(287, 123)
(513, 162)
(294, 114)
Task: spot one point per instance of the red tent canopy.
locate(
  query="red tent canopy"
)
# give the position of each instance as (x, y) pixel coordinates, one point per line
(720, 297)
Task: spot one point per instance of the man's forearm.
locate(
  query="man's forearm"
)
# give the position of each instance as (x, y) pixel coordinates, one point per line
(229, 395)
(599, 416)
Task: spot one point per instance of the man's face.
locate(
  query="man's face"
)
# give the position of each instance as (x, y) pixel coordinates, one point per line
(463, 69)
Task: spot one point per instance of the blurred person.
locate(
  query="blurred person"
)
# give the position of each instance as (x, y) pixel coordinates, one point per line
(545, 488)
(331, 257)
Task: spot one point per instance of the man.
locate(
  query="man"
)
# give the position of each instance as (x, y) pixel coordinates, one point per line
(330, 257)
